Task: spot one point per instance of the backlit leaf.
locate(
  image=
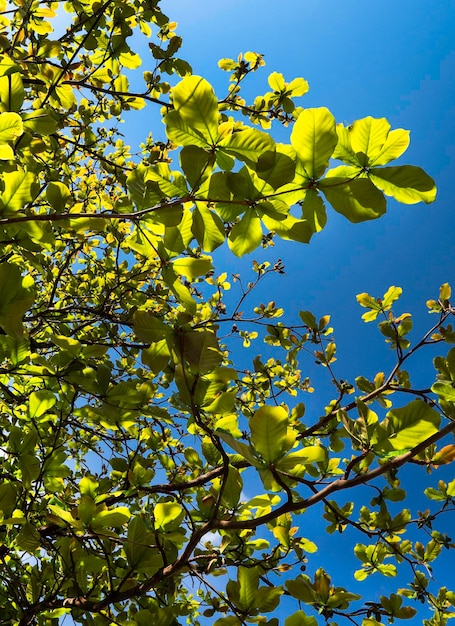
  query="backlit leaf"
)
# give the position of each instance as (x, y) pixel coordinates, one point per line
(247, 145)
(314, 139)
(11, 127)
(358, 200)
(196, 103)
(368, 136)
(246, 235)
(405, 183)
(268, 431)
(412, 424)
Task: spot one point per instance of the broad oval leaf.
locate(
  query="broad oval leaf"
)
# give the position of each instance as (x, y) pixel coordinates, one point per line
(406, 183)
(197, 105)
(111, 519)
(191, 267)
(247, 145)
(314, 138)
(412, 424)
(396, 144)
(11, 126)
(358, 200)
(168, 515)
(201, 350)
(246, 235)
(268, 431)
(40, 402)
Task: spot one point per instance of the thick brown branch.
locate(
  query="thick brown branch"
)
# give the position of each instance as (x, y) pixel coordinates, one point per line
(338, 485)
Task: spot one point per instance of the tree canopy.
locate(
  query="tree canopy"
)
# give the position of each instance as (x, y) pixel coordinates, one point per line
(153, 471)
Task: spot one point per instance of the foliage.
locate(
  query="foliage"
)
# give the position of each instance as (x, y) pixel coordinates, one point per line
(130, 418)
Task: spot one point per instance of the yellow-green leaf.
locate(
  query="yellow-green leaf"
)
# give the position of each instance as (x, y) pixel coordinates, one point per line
(268, 431)
(406, 183)
(358, 200)
(368, 136)
(191, 267)
(20, 189)
(111, 519)
(246, 235)
(396, 143)
(314, 138)
(11, 126)
(247, 145)
(412, 424)
(196, 103)
(40, 402)
(168, 515)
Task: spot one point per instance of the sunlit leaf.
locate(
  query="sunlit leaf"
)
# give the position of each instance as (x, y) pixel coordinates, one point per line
(247, 145)
(314, 138)
(197, 106)
(246, 235)
(268, 431)
(358, 199)
(405, 183)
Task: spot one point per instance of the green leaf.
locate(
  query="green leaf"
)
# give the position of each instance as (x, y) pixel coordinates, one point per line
(41, 121)
(358, 200)
(86, 510)
(295, 462)
(11, 86)
(20, 188)
(58, 195)
(269, 426)
(168, 515)
(157, 356)
(196, 164)
(208, 228)
(276, 168)
(276, 81)
(181, 134)
(313, 210)
(11, 127)
(412, 424)
(201, 350)
(241, 448)
(247, 145)
(395, 145)
(248, 578)
(299, 618)
(406, 183)
(40, 402)
(197, 105)
(302, 589)
(8, 496)
(28, 538)
(314, 139)
(246, 235)
(143, 193)
(150, 328)
(139, 547)
(171, 184)
(180, 291)
(178, 238)
(111, 519)
(191, 267)
(16, 297)
(368, 136)
(444, 390)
